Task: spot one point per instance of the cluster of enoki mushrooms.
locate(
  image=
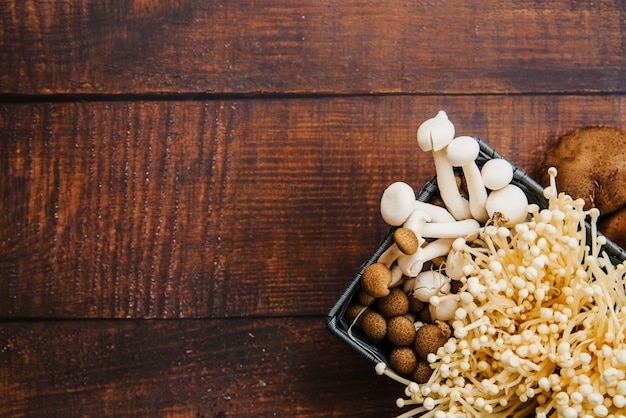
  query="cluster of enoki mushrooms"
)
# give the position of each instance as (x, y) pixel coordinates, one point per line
(538, 323)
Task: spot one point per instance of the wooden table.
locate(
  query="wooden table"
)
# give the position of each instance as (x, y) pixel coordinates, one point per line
(188, 186)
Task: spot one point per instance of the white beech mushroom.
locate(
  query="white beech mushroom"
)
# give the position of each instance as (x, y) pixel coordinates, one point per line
(434, 135)
(496, 173)
(430, 283)
(511, 202)
(420, 223)
(397, 203)
(436, 213)
(462, 152)
(450, 229)
(411, 265)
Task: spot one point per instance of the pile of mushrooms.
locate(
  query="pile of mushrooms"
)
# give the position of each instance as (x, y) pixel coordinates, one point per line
(513, 311)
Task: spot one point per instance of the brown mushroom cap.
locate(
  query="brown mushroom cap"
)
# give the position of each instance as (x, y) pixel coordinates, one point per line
(352, 313)
(406, 240)
(591, 164)
(394, 304)
(430, 337)
(415, 305)
(364, 299)
(403, 360)
(376, 279)
(422, 371)
(374, 326)
(400, 331)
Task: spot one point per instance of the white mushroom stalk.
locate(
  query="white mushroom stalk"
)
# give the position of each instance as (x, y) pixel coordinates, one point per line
(434, 135)
(462, 152)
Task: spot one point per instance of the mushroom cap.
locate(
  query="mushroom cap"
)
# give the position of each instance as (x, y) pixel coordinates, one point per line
(444, 311)
(496, 173)
(510, 201)
(397, 203)
(430, 283)
(462, 150)
(375, 280)
(430, 337)
(406, 240)
(353, 311)
(374, 326)
(400, 331)
(394, 304)
(422, 371)
(403, 360)
(435, 133)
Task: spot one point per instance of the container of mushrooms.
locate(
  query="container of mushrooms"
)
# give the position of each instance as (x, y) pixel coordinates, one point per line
(490, 295)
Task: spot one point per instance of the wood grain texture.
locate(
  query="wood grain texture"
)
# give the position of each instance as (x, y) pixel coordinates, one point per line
(186, 368)
(303, 47)
(214, 209)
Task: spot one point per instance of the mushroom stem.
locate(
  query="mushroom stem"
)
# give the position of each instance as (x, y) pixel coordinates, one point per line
(456, 204)
(405, 242)
(450, 229)
(436, 213)
(434, 135)
(462, 152)
(411, 265)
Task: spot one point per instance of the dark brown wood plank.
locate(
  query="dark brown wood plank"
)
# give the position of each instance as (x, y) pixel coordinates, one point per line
(286, 46)
(186, 368)
(225, 208)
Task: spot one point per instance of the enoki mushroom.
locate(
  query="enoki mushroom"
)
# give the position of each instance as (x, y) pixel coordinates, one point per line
(540, 324)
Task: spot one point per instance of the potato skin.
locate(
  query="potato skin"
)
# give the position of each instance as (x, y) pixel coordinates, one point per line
(591, 164)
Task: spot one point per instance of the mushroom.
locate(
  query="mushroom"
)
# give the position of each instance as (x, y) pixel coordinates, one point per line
(422, 371)
(434, 135)
(511, 202)
(462, 152)
(411, 265)
(374, 326)
(403, 360)
(430, 283)
(456, 261)
(444, 307)
(420, 223)
(436, 213)
(400, 331)
(496, 173)
(431, 337)
(450, 229)
(405, 242)
(397, 203)
(394, 304)
(375, 280)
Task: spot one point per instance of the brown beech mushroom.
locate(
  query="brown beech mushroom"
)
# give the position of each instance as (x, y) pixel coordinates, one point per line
(403, 360)
(430, 338)
(394, 304)
(400, 331)
(353, 313)
(374, 326)
(375, 280)
(405, 242)
(591, 163)
(422, 371)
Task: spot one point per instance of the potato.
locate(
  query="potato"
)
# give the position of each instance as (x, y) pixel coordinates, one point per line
(613, 226)
(591, 164)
